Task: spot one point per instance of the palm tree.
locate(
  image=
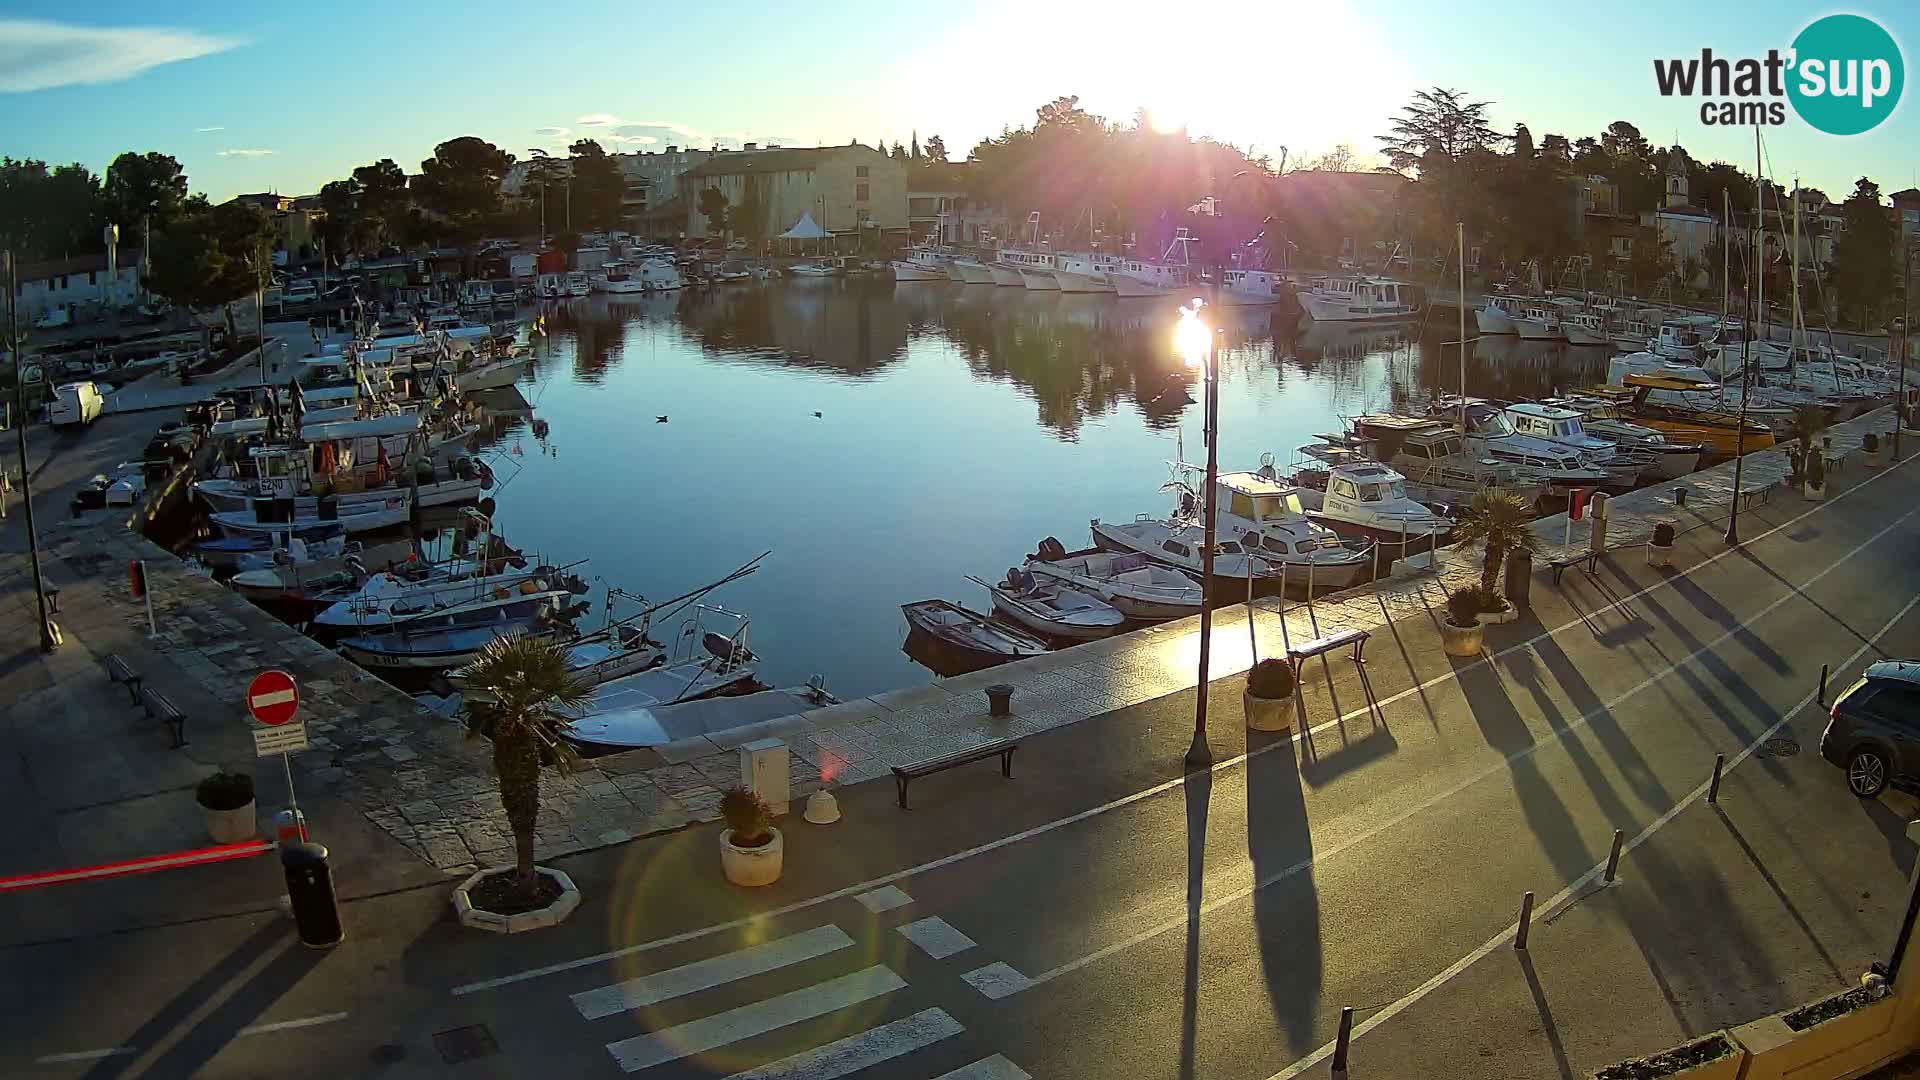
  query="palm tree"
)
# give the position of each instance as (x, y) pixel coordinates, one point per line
(520, 693)
(1505, 521)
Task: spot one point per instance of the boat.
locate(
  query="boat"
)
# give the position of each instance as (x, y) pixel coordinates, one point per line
(971, 271)
(825, 266)
(1489, 433)
(1366, 500)
(1669, 459)
(617, 277)
(494, 374)
(1432, 456)
(1052, 608)
(1359, 299)
(1497, 314)
(924, 262)
(1240, 288)
(1583, 328)
(1036, 270)
(578, 283)
(1085, 272)
(280, 472)
(304, 540)
(1718, 429)
(968, 637)
(1538, 322)
(417, 590)
(1168, 275)
(1178, 544)
(657, 725)
(1136, 586)
(263, 517)
(1563, 427)
(441, 643)
(298, 580)
(1677, 339)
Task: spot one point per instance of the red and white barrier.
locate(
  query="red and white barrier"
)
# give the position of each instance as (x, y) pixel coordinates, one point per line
(173, 860)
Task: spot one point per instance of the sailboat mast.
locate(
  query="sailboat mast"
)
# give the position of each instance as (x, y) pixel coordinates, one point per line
(1760, 224)
(1726, 250)
(1793, 333)
(1460, 236)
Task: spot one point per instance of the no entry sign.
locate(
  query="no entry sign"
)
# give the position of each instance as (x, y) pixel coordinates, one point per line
(272, 698)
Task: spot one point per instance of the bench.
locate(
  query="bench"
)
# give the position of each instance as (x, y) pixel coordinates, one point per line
(1000, 748)
(159, 708)
(1559, 565)
(121, 672)
(1340, 639)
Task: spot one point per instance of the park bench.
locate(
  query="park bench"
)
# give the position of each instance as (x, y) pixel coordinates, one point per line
(121, 672)
(1000, 748)
(1301, 652)
(1559, 565)
(159, 708)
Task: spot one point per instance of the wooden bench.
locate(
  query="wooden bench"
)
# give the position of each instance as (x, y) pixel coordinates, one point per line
(1559, 565)
(1000, 748)
(121, 672)
(159, 708)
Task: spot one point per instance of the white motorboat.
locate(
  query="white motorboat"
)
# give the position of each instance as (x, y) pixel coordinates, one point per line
(279, 472)
(1491, 434)
(617, 277)
(924, 262)
(1241, 288)
(636, 726)
(703, 663)
(1139, 588)
(971, 271)
(578, 283)
(1431, 455)
(1179, 544)
(1359, 299)
(296, 574)
(1601, 416)
(1538, 322)
(1085, 272)
(1269, 517)
(495, 374)
(1563, 427)
(1169, 275)
(1677, 340)
(386, 513)
(284, 543)
(1036, 269)
(1052, 608)
(1581, 327)
(408, 593)
(1364, 499)
(1497, 314)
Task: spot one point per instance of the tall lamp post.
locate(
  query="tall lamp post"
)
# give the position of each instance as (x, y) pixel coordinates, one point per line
(49, 634)
(1746, 343)
(1198, 347)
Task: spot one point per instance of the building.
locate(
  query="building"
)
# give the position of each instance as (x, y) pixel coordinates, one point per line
(937, 202)
(650, 178)
(295, 226)
(857, 194)
(1906, 211)
(79, 285)
(1689, 232)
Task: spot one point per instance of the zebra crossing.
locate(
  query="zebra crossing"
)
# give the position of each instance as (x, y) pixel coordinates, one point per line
(872, 993)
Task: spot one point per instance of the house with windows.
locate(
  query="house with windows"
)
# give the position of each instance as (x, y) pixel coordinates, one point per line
(1689, 232)
(938, 203)
(82, 286)
(857, 194)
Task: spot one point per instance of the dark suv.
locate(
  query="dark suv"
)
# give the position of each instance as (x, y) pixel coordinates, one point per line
(1874, 729)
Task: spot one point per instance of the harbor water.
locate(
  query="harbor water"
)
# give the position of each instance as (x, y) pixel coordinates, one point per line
(886, 440)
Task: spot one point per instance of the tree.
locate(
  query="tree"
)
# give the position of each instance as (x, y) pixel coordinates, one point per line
(1556, 148)
(1505, 521)
(139, 187)
(1864, 268)
(383, 192)
(598, 187)
(520, 692)
(898, 153)
(461, 182)
(713, 207)
(212, 257)
(936, 150)
(913, 151)
(48, 214)
(1339, 159)
(1437, 122)
(1522, 143)
(1651, 260)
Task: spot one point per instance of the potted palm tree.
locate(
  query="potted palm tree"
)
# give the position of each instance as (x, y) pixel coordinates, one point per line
(1660, 544)
(226, 801)
(519, 695)
(750, 847)
(1505, 522)
(1815, 487)
(1269, 689)
(1460, 632)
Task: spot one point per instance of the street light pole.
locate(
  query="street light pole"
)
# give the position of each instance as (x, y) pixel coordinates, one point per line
(260, 319)
(1199, 753)
(1746, 345)
(49, 639)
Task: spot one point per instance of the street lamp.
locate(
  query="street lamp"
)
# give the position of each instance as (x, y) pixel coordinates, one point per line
(49, 633)
(1746, 344)
(1196, 344)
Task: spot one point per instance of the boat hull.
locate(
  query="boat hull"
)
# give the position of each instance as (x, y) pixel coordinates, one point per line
(1006, 276)
(1133, 288)
(493, 376)
(1321, 309)
(1061, 629)
(1070, 282)
(1492, 321)
(1536, 330)
(1039, 280)
(442, 493)
(372, 519)
(975, 273)
(1580, 335)
(910, 271)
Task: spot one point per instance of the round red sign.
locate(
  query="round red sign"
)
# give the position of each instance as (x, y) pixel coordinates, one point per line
(272, 697)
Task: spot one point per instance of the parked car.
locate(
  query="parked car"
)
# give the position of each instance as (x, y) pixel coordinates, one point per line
(1873, 730)
(75, 404)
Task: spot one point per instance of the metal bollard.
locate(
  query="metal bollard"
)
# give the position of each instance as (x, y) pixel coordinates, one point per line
(1679, 496)
(1341, 1042)
(1526, 922)
(1713, 787)
(1613, 860)
(1823, 686)
(316, 913)
(999, 700)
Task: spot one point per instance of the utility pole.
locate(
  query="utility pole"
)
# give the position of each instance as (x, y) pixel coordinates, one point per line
(1899, 344)
(1746, 344)
(49, 634)
(1199, 753)
(260, 319)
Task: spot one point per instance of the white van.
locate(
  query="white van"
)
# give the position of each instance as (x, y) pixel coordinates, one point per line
(75, 404)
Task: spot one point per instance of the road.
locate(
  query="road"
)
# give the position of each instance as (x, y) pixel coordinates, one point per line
(1105, 917)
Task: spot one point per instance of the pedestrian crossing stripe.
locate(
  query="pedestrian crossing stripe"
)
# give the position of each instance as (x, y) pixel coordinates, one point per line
(858, 1051)
(758, 1018)
(707, 974)
(996, 1067)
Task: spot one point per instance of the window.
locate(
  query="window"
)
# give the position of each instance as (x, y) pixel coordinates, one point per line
(1241, 505)
(1370, 492)
(859, 170)
(1177, 548)
(1344, 488)
(859, 193)
(91, 277)
(1274, 543)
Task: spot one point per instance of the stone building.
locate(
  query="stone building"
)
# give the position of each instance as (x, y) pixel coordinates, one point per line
(855, 193)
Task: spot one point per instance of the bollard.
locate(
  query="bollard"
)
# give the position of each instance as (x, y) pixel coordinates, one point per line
(1526, 922)
(1713, 787)
(1000, 698)
(1613, 860)
(1679, 496)
(316, 913)
(1823, 686)
(1341, 1042)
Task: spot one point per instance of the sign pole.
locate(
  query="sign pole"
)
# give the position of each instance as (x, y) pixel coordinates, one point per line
(146, 593)
(293, 803)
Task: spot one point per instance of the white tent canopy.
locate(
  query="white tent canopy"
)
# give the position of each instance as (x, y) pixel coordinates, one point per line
(805, 229)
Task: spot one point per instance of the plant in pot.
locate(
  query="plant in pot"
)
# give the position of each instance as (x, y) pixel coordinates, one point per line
(1660, 544)
(1871, 444)
(750, 847)
(1460, 632)
(1504, 521)
(1816, 478)
(1808, 422)
(1269, 689)
(226, 800)
(520, 694)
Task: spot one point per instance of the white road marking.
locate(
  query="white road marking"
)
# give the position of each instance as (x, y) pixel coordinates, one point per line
(707, 974)
(1574, 887)
(935, 936)
(997, 980)
(1497, 767)
(884, 899)
(1138, 796)
(277, 697)
(855, 1052)
(84, 1055)
(996, 1067)
(747, 1021)
(290, 1025)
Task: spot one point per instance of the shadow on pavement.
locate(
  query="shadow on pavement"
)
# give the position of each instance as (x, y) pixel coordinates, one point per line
(1287, 912)
(1547, 1023)
(1779, 893)
(1199, 793)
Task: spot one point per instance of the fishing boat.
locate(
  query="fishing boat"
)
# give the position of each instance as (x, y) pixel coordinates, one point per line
(416, 590)
(971, 271)
(1433, 458)
(1168, 275)
(494, 374)
(1052, 608)
(1538, 322)
(440, 643)
(968, 637)
(1490, 434)
(305, 540)
(924, 262)
(1365, 500)
(1670, 459)
(1136, 586)
(636, 726)
(301, 583)
(1359, 299)
(1085, 272)
(1242, 288)
(1677, 339)
(1036, 270)
(1584, 328)
(283, 474)
(264, 516)
(1496, 316)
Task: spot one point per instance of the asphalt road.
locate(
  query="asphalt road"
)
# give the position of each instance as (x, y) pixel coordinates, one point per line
(1099, 919)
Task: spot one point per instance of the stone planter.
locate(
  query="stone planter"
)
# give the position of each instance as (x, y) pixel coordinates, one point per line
(752, 867)
(481, 919)
(1505, 615)
(1814, 493)
(1460, 640)
(1267, 714)
(1725, 1067)
(1658, 555)
(1876, 459)
(232, 826)
(1847, 1042)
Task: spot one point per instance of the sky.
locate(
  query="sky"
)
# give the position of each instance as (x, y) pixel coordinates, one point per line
(266, 97)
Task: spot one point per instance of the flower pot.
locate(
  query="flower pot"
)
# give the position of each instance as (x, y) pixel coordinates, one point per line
(1268, 714)
(479, 918)
(1813, 491)
(1658, 555)
(232, 826)
(1876, 458)
(1460, 640)
(751, 866)
(1685, 1061)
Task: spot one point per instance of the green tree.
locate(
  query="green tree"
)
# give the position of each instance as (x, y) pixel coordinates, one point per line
(461, 183)
(713, 207)
(936, 150)
(139, 187)
(598, 187)
(1447, 140)
(50, 213)
(898, 153)
(1864, 268)
(211, 257)
(520, 695)
(1505, 521)
(1651, 260)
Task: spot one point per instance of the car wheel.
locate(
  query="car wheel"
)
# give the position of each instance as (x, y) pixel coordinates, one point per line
(1867, 773)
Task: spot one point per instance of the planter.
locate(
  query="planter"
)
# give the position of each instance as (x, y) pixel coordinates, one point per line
(232, 826)
(1460, 640)
(1715, 1056)
(751, 866)
(1814, 492)
(1268, 714)
(1839, 1044)
(1658, 555)
(1501, 617)
(1876, 459)
(553, 914)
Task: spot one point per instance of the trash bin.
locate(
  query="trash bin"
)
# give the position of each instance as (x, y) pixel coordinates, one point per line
(1518, 580)
(316, 914)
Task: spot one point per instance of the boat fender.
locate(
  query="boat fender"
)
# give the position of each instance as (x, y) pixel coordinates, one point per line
(1052, 550)
(486, 475)
(463, 468)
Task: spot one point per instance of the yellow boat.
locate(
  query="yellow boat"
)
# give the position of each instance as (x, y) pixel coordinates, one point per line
(1717, 429)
